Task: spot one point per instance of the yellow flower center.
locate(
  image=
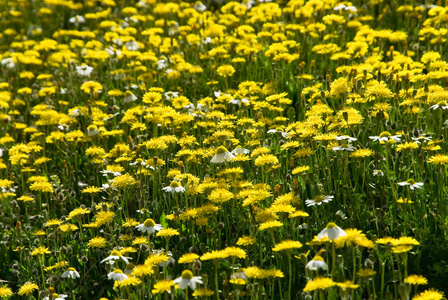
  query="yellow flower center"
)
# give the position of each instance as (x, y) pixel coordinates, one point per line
(221, 150)
(71, 269)
(115, 253)
(187, 274)
(385, 134)
(150, 222)
(331, 225)
(318, 257)
(118, 271)
(319, 199)
(442, 103)
(175, 184)
(411, 181)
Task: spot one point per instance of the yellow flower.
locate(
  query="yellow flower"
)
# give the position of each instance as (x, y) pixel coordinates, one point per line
(431, 294)
(163, 285)
(188, 258)
(42, 186)
(318, 283)
(416, 280)
(27, 289)
(438, 159)
(5, 292)
(130, 281)
(167, 232)
(40, 251)
(287, 245)
(91, 87)
(270, 225)
(225, 71)
(97, 242)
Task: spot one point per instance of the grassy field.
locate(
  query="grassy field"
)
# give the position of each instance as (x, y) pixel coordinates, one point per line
(223, 150)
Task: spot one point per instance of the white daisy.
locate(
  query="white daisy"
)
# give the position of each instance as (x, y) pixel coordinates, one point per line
(316, 263)
(117, 274)
(149, 226)
(114, 256)
(70, 273)
(412, 184)
(174, 187)
(187, 280)
(332, 232)
(222, 155)
(318, 200)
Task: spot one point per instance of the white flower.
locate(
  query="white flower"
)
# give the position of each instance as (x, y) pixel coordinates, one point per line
(441, 104)
(112, 51)
(378, 173)
(385, 136)
(344, 147)
(132, 46)
(222, 155)
(174, 187)
(161, 64)
(318, 200)
(421, 138)
(70, 273)
(149, 226)
(284, 134)
(332, 232)
(77, 20)
(200, 7)
(169, 95)
(57, 297)
(114, 256)
(239, 150)
(316, 263)
(84, 70)
(412, 184)
(346, 138)
(187, 280)
(129, 97)
(118, 275)
(339, 7)
(8, 62)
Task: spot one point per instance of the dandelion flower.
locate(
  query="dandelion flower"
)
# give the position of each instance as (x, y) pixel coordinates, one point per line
(416, 280)
(162, 286)
(319, 283)
(5, 292)
(27, 289)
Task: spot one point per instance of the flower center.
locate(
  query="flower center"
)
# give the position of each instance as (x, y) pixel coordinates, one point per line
(115, 253)
(319, 198)
(221, 150)
(71, 269)
(150, 222)
(385, 134)
(331, 225)
(410, 181)
(175, 184)
(118, 271)
(442, 103)
(318, 257)
(187, 274)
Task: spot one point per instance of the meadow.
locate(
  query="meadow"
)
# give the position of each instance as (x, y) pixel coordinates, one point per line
(223, 150)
